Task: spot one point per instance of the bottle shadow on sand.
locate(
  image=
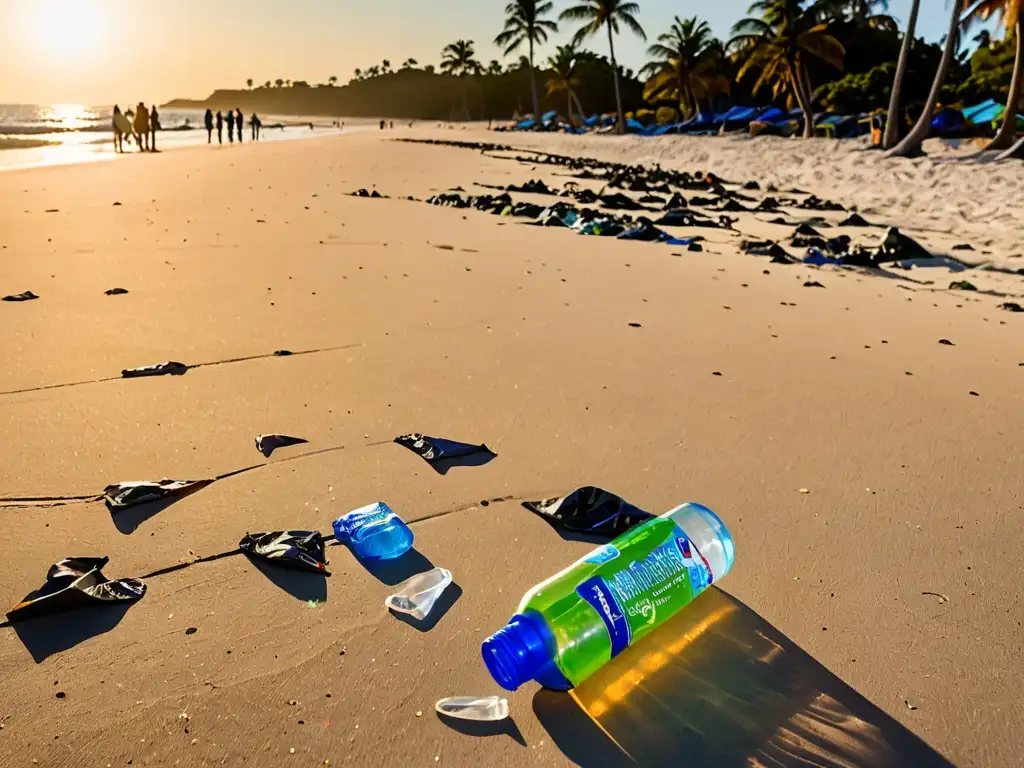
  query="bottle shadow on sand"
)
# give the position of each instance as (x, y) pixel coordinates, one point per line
(718, 686)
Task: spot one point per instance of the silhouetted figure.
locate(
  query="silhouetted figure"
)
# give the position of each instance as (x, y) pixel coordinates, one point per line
(391, 124)
(220, 127)
(254, 123)
(382, 125)
(239, 120)
(208, 122)
(141, 126)
(231, 126)
(120, 122)
(154, 126)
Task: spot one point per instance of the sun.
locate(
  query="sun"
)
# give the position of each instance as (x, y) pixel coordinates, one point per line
(68, 28)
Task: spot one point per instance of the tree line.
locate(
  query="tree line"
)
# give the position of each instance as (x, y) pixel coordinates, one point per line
(844, 56)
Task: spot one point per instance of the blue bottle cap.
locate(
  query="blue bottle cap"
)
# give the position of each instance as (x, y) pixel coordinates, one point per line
(516, 653)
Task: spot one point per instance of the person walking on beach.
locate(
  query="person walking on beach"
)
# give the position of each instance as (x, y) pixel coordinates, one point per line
(254, 123)
(141, 126)
(120, 122)
(154, 126)
(220, 127)
(231, 127)
(239, 119)
(208, 122)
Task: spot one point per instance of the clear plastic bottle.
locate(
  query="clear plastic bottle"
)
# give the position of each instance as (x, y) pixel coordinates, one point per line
(570, 625)
(374, 532)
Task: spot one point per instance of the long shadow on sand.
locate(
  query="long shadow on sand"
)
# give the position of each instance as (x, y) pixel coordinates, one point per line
(301, 585)
(48, 635)
(718, 686)
(395, 571)
(507, 727)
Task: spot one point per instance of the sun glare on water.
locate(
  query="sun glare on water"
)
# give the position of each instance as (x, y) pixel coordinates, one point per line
(68, 28)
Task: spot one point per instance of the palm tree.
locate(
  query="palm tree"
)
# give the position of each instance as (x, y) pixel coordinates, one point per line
(332, 80)
(892, 120)
(494, 68)
(358, 73)
(686, 60)
(860, 12)
(911, 143)
(249, 83)
(279, 82)
(386, 65)
(563, 77)
(409, 63)
(266, 84)
(595, 14)
(459, 58)
(524, 23)
(1011, 16)
(779, 43)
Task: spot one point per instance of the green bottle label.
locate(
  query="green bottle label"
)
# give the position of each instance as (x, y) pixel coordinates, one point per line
(629, 597)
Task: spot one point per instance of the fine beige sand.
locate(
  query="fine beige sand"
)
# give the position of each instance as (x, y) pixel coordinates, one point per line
(874, 620)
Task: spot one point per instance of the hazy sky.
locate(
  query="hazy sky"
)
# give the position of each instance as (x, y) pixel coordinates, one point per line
(100, 51)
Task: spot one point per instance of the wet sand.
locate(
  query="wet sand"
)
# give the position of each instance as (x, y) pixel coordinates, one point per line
(898, 574)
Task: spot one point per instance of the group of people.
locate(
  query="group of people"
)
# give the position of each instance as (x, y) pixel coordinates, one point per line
(235, 121)
(142, 126)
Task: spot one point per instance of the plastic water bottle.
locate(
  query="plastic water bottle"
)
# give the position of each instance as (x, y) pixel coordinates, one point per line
(569, 626)
(374, 532)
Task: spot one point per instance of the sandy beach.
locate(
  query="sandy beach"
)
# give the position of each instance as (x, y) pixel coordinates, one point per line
(661, 374)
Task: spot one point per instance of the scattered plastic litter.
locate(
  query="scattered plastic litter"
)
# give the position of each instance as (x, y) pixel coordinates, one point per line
(416, 596)
(813, 284)
(533, 186)
(124, 495)
(962, 285)
(299, 550)
(855, 220)
(374, 532)
(116, 291)
(76, 582)
(570, 625)
(484, 709)
(1011, 306)
(267, 444)
(436, 449)
(364, 193)
(590, 510)
(818, 259)
(25, 296)
(171, 368)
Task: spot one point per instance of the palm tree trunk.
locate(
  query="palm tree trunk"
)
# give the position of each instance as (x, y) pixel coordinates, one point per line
(615, 79)
(533, 88)
(579, 107)
(1004, 136)
(911, 144)
(801, 99)
(892, 120)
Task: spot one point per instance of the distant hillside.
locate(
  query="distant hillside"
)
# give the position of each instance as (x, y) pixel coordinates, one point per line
(421, 95)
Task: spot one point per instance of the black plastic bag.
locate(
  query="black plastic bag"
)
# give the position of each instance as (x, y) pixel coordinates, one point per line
(590, 510)
(437, 449)
(124, 495)
(25, 296)
(170, 368)
(299, 550)
(73, 583)
(267, 444)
